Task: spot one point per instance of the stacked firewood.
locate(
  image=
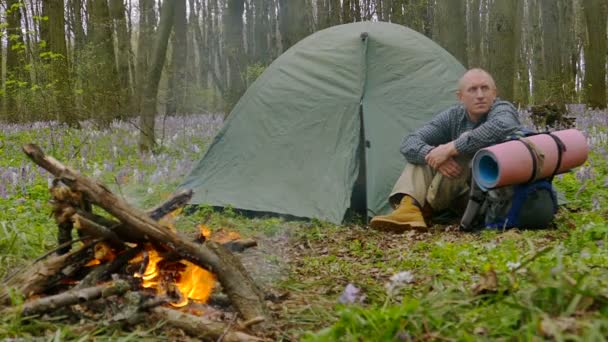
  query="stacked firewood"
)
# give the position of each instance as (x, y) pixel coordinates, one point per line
(65, 278)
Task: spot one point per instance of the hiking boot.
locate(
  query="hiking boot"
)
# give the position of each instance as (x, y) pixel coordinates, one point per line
(407, 216)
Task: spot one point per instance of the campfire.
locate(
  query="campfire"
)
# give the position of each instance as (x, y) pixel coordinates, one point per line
(137, 252)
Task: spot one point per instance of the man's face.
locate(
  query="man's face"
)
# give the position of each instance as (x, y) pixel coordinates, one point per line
(477, 92)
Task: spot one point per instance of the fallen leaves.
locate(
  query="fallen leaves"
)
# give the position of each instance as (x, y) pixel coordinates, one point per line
(488, 284)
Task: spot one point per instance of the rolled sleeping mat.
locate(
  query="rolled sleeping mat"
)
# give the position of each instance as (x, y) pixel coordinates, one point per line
(527, 159)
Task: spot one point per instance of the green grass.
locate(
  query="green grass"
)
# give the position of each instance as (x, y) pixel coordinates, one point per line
(550, 284)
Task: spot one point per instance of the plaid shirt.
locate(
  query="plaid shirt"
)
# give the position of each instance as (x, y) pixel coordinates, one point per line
(501, 121)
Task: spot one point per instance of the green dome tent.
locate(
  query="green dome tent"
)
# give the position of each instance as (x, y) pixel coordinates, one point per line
(332, 108)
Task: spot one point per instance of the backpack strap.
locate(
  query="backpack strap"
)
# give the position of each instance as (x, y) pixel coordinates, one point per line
(538, 159)
(561, 148)
(476, 199)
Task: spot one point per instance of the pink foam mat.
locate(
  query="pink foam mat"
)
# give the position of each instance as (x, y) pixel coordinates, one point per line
(512, 163)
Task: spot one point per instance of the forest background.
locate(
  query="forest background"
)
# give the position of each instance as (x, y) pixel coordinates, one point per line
(70, 60)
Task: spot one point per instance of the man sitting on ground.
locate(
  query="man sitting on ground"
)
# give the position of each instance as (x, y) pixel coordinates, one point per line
(437, 173)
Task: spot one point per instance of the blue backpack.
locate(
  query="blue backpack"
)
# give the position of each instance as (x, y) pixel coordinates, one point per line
(531, 205)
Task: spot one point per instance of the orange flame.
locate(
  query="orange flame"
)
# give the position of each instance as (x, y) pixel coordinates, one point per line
(92, 262)
(102, 253)
(193, 282)
(205, 231)
(223, 236)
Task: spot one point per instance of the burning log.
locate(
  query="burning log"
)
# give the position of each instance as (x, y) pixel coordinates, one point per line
(105, 271)
(238, 285)
(43, 274)
(74, 296)
(201, 327)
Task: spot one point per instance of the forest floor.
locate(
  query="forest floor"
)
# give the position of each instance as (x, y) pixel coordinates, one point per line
(330, 282)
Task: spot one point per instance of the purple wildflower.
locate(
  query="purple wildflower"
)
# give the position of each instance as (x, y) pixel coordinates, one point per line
(351, 295)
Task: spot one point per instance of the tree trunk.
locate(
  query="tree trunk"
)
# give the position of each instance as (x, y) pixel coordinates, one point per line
(474, 35)
(522, 86)
(262, 29)
(568, 49)
(356, 10)
(233, 28)
(14, 55)
(103, 86)
(396, 11)
(346, 13)
(144, 36)
(148, 105)
(537, 62)
(54, 35)
(503, 46)
(335, 9)
(450, 27)
(417, 17)
(595, 53)
(123, 55)
(79, 35)
(177, 85)
(551, 52)
(293, 21)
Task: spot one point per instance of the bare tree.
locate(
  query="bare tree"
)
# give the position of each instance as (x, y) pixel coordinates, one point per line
(551, 52)
(177, 76)
(102, 83)
(234, 52)
(146, 28)
(294, 22)
(595, 53)
(14, 57)
(474, 34)
(148, 106)
(503, 45)
(123, 51)
(450, 29)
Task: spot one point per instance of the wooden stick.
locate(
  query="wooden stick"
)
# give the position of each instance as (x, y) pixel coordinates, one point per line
(41, 275)
(102, 272)
(240, 245)
(176, 201)
(96, 230)
(200, 327)
(74, 296)
(243, 292)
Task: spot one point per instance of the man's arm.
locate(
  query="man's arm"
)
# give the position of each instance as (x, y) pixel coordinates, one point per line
(417, 145)
(501, 122)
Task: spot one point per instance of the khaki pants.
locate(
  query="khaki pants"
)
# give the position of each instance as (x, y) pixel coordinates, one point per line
(430, 187)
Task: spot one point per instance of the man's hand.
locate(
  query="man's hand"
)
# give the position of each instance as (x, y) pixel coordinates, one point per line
(450, 168)
(440, 154)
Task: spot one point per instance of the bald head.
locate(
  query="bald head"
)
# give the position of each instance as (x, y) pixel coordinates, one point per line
(475, 72)
(477, 92)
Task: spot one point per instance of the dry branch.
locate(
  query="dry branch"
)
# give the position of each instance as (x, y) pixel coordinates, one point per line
(94, 229)
(74, 296)
(176, 201)
(40, 275)
(104, 271)
(240, 245)
(201, 327)
(239, 286)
